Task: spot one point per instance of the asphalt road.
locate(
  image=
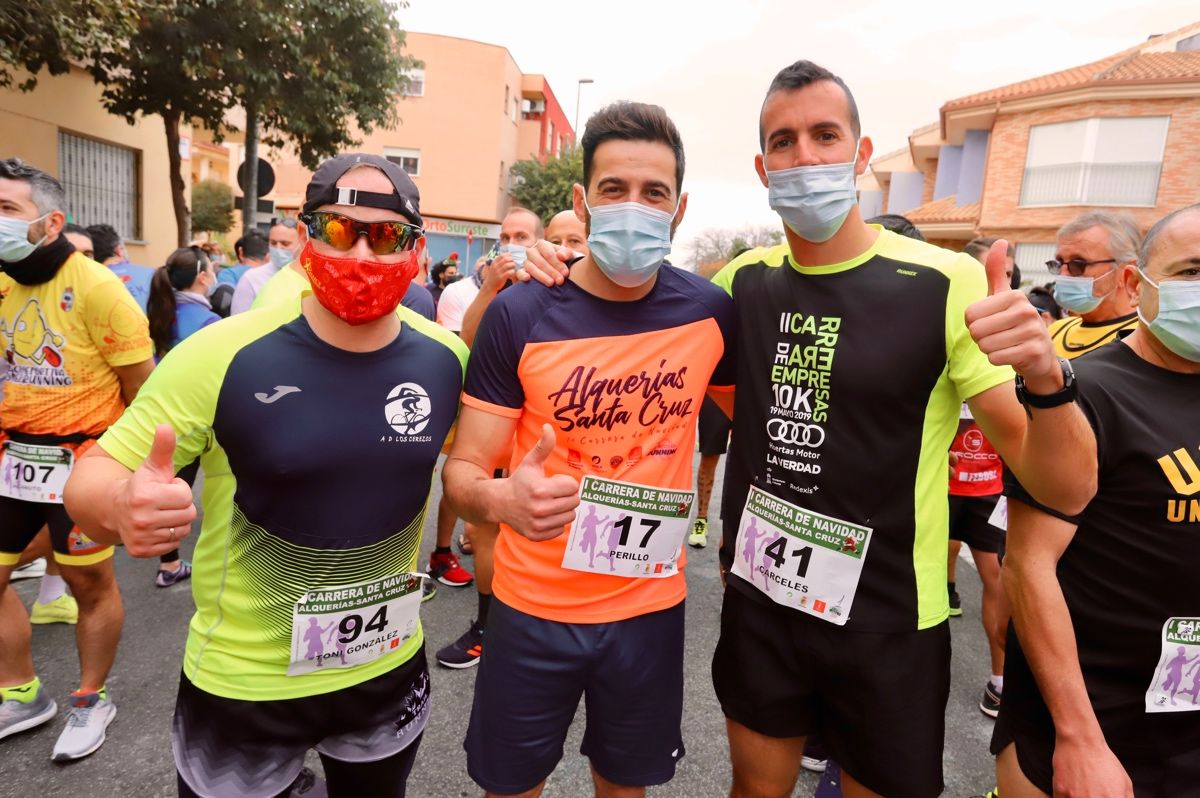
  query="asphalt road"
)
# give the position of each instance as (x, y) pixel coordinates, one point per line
(136, 759)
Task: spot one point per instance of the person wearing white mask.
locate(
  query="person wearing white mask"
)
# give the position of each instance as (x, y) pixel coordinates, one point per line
(856, 348)
(1089, 254)
(600, 380)
(1102, 682)
(282, 240)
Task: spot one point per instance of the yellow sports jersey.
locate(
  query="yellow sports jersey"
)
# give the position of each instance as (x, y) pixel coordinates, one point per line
(62, 339)
(1073, 336)
(285, 284)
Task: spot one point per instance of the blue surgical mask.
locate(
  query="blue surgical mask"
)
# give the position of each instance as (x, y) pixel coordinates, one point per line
(517, 252)
(629, 241)
(1075, 293)
(15, 245)
(1177, 324)
(814, 201)
(281, 257)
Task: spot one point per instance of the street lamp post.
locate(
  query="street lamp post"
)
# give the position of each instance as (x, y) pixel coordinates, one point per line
(578, 88)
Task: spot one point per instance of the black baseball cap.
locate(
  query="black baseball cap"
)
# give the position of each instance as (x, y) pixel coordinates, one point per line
(323, 190)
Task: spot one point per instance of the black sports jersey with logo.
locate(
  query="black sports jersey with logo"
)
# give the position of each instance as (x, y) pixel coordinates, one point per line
(850, 379)
(1131, 565)
(317, 465)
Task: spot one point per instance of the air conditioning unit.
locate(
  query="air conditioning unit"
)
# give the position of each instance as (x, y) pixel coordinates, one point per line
(537, 106)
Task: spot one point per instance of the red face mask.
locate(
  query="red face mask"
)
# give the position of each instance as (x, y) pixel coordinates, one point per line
(358, 291)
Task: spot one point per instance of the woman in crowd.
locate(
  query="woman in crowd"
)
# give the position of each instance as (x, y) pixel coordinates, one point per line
(178, 306)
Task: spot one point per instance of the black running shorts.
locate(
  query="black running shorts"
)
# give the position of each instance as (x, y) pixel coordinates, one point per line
(969, 523)
(713, 428)
(1161, 753)
(255, 749)
(20, 521)
(877, 700)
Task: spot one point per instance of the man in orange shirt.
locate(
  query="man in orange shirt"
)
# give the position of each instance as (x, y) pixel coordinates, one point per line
(600, 380)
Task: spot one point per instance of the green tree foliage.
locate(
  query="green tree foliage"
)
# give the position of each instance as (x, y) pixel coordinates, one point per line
(37, 34)
(308, 73)
(212, 206)
(545, 189)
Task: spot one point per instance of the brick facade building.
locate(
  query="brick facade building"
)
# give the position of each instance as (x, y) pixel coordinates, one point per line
(1121, 133)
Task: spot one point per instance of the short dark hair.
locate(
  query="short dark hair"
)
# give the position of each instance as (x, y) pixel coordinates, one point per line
(897, 224)
(797, 76)
(978, 248)
(252, 245)
(105, 241)
(47, 193)
(629, 121)
(1042, 298)
(440, 267)
(77, 229)
(1147, 248)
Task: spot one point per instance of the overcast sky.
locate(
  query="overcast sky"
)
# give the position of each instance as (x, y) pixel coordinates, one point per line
(708, 63)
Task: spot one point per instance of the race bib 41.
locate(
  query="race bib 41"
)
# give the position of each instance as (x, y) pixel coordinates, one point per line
(800, 559)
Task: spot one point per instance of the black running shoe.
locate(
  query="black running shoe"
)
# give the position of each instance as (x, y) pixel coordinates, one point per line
(465, 651)
(989, 704)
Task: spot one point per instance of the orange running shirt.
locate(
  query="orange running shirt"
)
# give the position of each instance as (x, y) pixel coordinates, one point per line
(62, 339)
(622, 384)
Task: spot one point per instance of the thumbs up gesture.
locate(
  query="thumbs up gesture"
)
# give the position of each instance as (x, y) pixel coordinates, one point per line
(1010, 331)
(155, 508)
(538, 506)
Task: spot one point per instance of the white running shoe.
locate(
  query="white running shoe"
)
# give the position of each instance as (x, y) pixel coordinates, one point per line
(89, 718)
(30, 570)
(16, 716)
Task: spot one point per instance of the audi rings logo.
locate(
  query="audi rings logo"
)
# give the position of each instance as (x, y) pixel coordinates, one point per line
(795, 433)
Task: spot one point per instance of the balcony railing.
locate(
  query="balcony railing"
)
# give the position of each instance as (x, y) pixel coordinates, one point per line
(1091, 184)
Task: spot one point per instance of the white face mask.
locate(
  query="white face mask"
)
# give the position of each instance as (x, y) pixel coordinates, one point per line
(15, 245)
(814, 201)
(281, 256)
(1177, 325)
(517, 252)
(629, 241)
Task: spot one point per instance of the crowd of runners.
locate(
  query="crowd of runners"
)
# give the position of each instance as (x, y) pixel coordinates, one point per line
(568, 378)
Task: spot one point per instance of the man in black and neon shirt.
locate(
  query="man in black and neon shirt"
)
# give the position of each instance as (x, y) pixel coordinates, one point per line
(318, 423)
(1090, 251)
(855, 349)
(1102, 679)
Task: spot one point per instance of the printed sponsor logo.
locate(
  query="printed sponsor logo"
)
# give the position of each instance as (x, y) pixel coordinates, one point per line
(408, 409)
(795, 433)
(280, 392)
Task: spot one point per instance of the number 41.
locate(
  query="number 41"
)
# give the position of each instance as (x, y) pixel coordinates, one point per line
(777, 551)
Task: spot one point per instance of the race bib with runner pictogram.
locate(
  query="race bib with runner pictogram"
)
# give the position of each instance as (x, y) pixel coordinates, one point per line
(341, 627)
(1176, 684)
(800, 559)
(34, 473)
(625, 529)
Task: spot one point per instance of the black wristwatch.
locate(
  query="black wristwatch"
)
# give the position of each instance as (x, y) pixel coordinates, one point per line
(1063, 396)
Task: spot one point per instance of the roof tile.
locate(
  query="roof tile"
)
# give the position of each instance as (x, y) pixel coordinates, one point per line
(1128, 65)
(943, 211)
